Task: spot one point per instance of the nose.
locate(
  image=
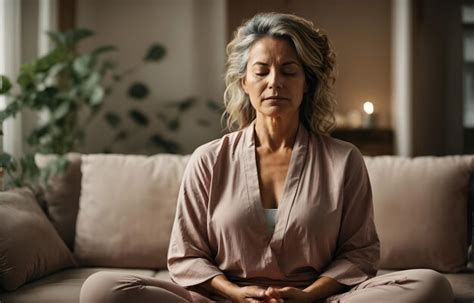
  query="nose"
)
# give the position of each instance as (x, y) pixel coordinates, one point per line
(275, 80)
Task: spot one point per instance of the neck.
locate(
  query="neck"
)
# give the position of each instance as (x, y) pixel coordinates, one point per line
(274, 134)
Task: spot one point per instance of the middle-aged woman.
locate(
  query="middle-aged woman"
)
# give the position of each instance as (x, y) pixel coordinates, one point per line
(276, 211)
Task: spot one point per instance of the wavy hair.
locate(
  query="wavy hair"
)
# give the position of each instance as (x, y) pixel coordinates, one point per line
(315, 53)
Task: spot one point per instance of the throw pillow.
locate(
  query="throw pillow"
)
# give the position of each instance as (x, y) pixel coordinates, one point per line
(61, 196)
(127, 208)
(30, 248)
(420, 207)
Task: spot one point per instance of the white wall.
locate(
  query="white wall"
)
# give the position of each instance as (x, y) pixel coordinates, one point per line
(193, 33)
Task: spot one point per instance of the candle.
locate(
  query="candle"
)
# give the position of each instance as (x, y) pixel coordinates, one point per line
(368, 116)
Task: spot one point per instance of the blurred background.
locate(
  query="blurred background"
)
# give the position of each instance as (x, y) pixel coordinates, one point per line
(404, 69)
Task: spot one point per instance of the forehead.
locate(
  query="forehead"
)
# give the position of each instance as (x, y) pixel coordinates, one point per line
(272, 50)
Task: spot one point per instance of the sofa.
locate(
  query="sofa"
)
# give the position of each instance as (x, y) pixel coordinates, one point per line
(115, 212)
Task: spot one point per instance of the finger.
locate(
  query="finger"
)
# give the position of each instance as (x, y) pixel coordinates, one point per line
(255, 292)
(272, 292)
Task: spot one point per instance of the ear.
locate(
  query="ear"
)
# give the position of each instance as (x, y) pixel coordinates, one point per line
(243, 83)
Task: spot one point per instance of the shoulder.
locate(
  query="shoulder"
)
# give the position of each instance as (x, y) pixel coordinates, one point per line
(336, 150)
(209, 153)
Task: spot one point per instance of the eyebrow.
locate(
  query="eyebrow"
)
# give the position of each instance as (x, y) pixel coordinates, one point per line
(265, 64)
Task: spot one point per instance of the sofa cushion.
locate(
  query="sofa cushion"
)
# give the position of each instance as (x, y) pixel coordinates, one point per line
(127, 208)
(61, 287)
(61, 196)
(420, 209)
(30, 247)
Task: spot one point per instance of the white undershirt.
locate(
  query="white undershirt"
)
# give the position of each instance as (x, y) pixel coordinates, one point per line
(270, 215)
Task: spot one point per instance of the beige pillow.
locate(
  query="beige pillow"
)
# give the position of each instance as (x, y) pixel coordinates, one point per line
(127, 208)
(61, 196)
(420, 209)
(30, 248)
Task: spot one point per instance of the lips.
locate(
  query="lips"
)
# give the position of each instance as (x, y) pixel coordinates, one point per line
(275, 98)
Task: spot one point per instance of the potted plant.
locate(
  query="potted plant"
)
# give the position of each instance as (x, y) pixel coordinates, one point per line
(67, 88)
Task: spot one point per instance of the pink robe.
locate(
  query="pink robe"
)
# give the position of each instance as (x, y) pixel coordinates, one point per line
(324, 223)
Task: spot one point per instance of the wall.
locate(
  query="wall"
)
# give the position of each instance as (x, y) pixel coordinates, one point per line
(360, 32)
(193, 33)
(29, 52)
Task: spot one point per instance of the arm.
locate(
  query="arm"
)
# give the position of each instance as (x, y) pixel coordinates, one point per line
(323, 288)
(320, 289)
(220, 285)
(357, 253)
(190, 259)
(190, 255)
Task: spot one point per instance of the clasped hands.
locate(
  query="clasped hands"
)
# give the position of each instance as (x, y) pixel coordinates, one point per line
(255, 294)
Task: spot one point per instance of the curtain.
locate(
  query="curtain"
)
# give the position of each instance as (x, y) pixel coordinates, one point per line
(10, 57)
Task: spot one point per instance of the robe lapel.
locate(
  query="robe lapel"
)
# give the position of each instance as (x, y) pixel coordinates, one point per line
(295, 169)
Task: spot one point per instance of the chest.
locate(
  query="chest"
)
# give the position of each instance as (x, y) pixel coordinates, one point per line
(272, 172)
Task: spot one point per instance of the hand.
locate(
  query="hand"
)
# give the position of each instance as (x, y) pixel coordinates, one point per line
(288, 295)
(248, 294)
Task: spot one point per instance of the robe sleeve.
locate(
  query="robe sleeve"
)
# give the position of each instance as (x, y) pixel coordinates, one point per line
(189, 254)
(357, 253)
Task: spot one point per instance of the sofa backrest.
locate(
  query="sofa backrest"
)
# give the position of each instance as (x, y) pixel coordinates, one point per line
(421, 206)
(422, 211)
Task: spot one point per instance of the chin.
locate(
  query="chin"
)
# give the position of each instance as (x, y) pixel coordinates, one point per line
(277, 115)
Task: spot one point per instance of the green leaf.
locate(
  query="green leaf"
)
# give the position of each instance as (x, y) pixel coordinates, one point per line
(11, 110)
(103, 49)
(26, 81)
(106, 66)
(214, 106)
(82, 65)
(69, 38)
(112, 119)
(186, 104)
(5, 85)
(155, 53)
(138, 91)
(62, 110)
(42, 99)
(56, 37)
(54, 57)
(167, 145)
(174, 124)
(75, 35)
(29, 170)
(89, 85)
(138, 117)
(5, 160)
(97, 96)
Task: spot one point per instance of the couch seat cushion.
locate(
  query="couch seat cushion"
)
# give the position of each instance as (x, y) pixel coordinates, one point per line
(61, 287)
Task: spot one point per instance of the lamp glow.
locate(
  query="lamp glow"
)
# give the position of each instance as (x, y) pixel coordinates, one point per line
(368, 107)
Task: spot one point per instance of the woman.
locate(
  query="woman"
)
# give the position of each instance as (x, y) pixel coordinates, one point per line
(276, 211)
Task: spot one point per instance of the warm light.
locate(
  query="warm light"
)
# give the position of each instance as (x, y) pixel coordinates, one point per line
(368, 107)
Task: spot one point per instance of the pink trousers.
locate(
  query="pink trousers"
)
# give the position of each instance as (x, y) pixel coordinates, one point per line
(415, 285)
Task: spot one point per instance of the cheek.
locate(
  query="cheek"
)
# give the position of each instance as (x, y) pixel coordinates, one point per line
(254, 86)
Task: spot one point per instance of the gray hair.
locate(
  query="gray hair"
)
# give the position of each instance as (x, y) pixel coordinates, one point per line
(315, 53)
